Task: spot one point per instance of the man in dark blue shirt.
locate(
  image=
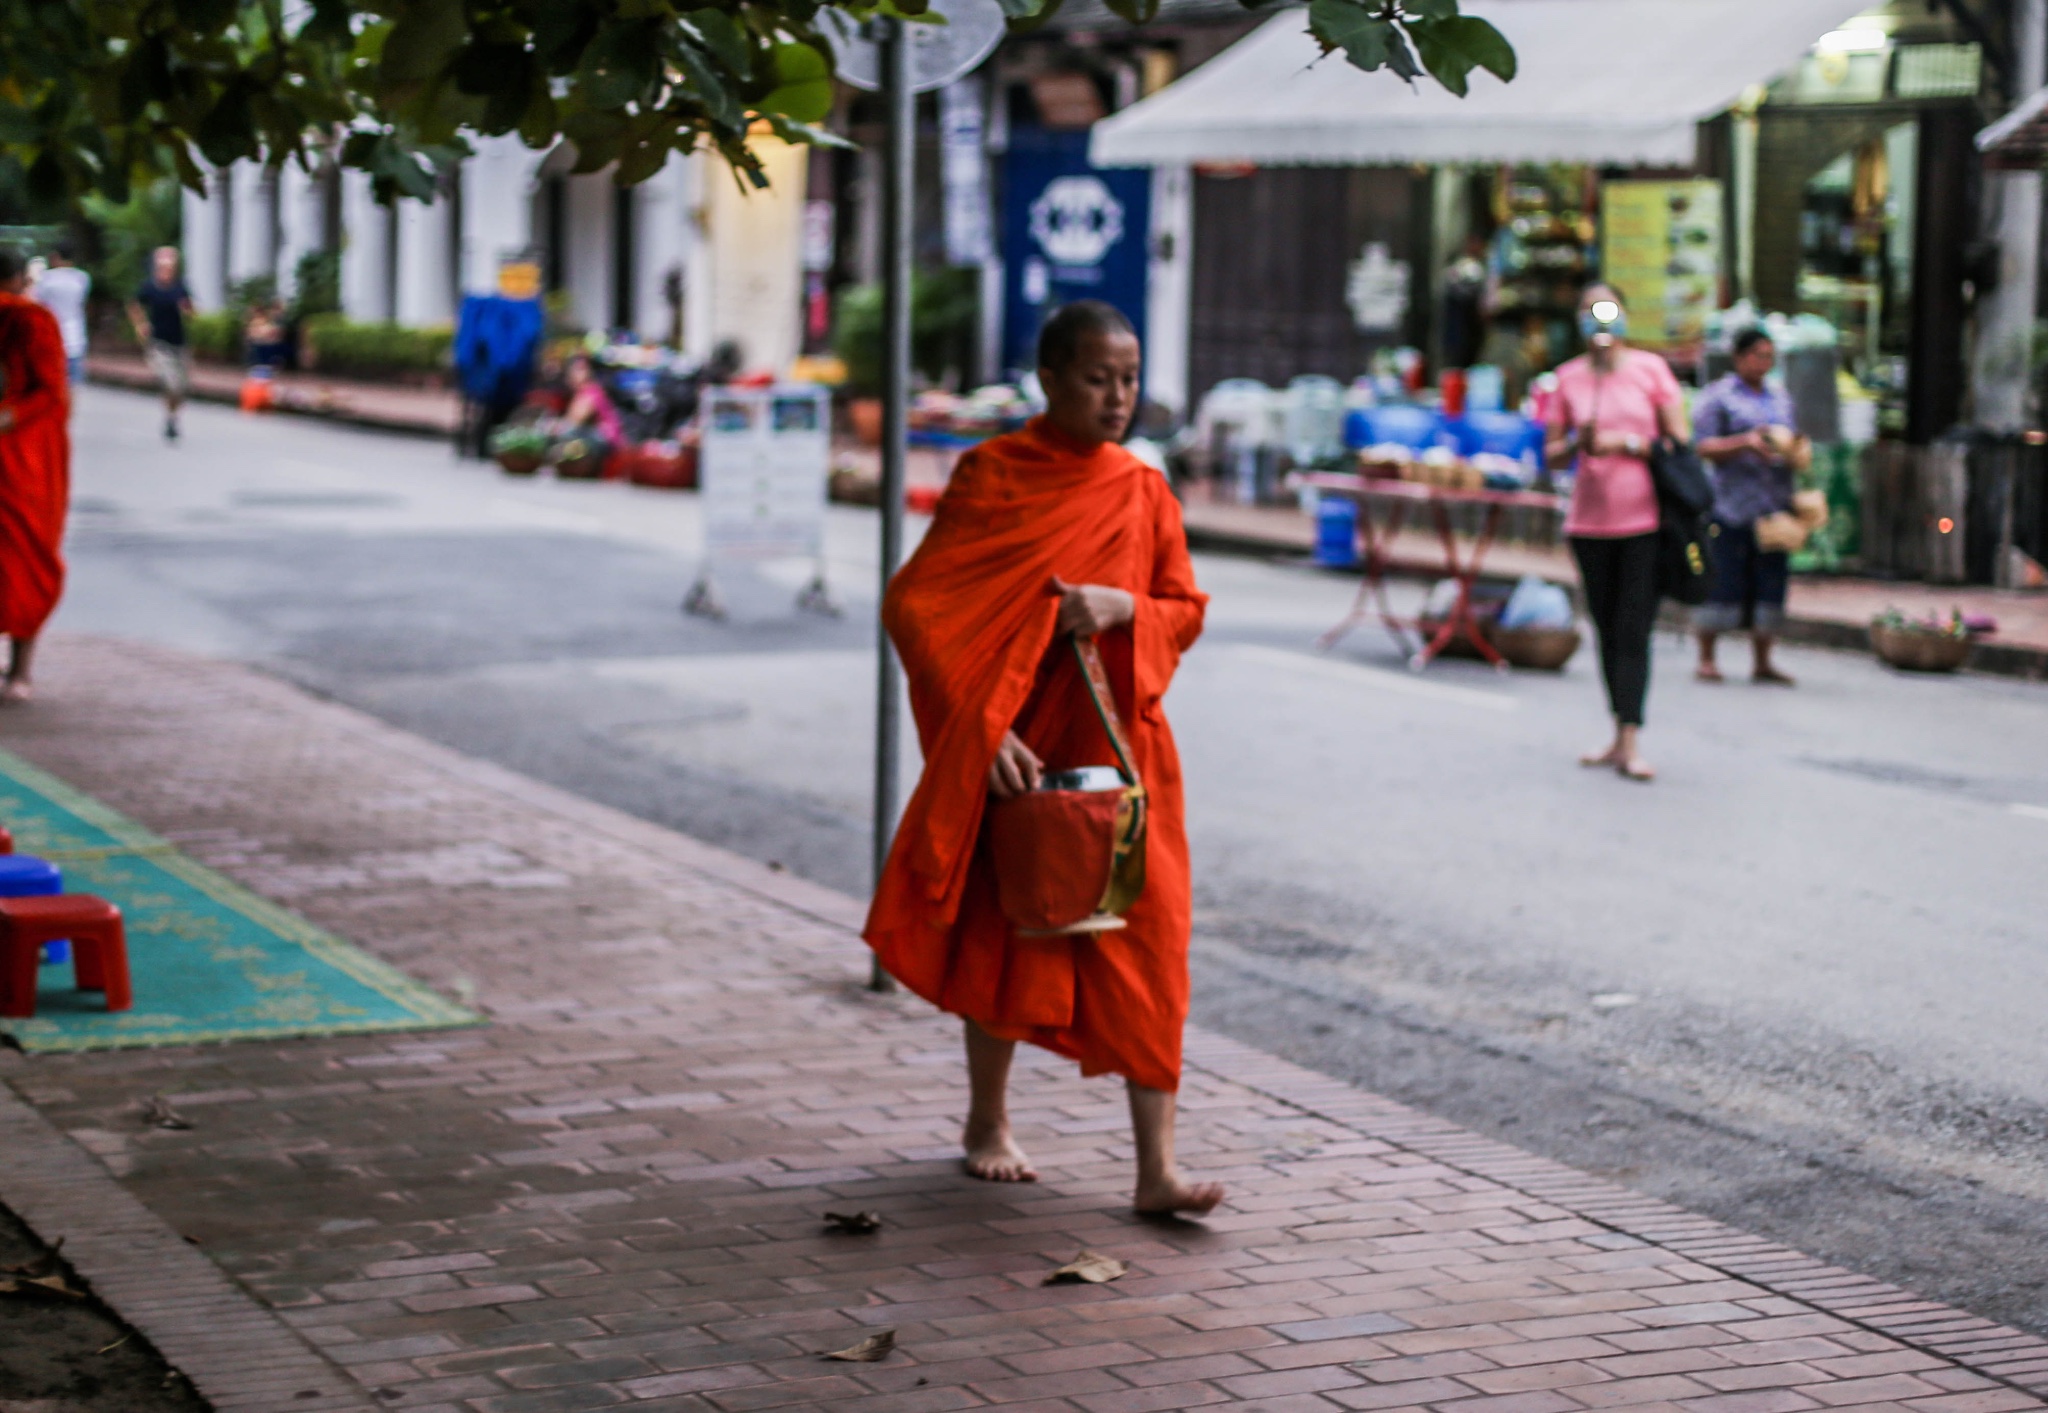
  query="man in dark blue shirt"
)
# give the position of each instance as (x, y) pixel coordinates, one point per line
(158, 313)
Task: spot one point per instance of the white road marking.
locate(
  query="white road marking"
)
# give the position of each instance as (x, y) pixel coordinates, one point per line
(1357, 674)
(2030, 811)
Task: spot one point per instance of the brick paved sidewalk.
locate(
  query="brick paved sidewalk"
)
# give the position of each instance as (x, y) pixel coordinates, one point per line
(611, 1196)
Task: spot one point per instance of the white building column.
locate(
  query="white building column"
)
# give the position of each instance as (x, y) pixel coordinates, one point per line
(587, 254)
(299, 222)
(1169, 287)
(756, 285)
(252, 248)
(698, 172)
(365, 252)
(204, 224)
(426, 263)
(2005, 316)
(666, 231)
(497, 209)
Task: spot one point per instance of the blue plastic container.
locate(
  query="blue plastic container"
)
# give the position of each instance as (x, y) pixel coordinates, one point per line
(1508, 434)
(1417, 428)
(1336, 532)
(26, 876)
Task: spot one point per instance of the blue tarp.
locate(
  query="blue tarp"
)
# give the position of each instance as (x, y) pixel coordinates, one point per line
(496, 340)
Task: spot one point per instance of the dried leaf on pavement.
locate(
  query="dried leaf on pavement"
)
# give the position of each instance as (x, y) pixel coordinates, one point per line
(853, 1223)
(1090, 1266)
(875, 1346)
(39, 1277)
(39, 1285)
(157, 1110)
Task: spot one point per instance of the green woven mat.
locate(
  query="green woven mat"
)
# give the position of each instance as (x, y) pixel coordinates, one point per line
(209, 959)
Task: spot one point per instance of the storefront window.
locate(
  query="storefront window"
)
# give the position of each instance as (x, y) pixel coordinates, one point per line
(1540, 259)
(1856, 253)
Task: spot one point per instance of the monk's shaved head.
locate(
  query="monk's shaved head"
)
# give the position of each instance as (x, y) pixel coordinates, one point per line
(1070, 324)
(1088, 368)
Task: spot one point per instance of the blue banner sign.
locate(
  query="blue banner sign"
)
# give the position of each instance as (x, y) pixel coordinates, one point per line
(1070, 231)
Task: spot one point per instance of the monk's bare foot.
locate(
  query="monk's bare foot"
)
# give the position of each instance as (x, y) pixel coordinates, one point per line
(1611, 756)
(1771, 677)
(1707, 672)
(1171, 1197)
(993, 1155)
(16, 689)
(1636, 768)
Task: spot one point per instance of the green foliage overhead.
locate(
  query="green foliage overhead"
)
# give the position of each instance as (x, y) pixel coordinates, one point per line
(1413, 38)
(101, 95)
(128, 232)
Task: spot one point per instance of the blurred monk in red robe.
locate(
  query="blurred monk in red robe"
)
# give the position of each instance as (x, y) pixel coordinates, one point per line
(1044, 533)
(35, 469)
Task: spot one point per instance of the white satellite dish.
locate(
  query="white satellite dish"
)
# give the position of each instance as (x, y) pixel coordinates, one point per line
(938, 53)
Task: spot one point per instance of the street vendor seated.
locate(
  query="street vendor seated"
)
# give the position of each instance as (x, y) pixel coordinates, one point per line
(590, 415)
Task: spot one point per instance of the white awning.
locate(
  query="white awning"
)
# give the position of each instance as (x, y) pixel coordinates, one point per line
(2019, 140)
(1598, 81)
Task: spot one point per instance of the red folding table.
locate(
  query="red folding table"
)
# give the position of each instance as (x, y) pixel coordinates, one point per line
(1375, 542)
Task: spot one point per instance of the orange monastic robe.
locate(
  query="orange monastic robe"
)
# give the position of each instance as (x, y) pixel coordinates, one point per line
(35, 465)
(972, 614)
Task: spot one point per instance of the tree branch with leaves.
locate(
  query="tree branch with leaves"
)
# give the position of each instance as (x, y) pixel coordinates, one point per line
(98, 95)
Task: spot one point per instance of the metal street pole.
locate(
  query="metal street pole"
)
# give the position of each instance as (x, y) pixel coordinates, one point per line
(899, 180)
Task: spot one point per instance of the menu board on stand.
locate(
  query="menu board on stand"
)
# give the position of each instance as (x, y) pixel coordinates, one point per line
(763, 464)
(1660, 244)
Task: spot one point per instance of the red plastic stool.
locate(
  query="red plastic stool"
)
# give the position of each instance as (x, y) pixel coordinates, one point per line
(99, 948)
(6, 840)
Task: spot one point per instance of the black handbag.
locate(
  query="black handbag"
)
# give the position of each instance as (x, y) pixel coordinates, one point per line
(1685, 495)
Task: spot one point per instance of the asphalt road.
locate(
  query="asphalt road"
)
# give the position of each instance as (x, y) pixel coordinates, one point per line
(1798, 983)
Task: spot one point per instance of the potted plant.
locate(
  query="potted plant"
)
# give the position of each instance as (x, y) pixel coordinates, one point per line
(579, 459)
(1921, 645)
(669, 465)
(520, 450)
(944, 309)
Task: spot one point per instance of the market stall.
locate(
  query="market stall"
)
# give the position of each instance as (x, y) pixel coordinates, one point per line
(1459, 622)
(1726, 163)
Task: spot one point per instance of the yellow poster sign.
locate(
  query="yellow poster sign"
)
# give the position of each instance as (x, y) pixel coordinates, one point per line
(1660, 244)
(519, 279)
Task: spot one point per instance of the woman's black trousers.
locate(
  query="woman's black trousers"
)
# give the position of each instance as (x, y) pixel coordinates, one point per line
(1620, 580)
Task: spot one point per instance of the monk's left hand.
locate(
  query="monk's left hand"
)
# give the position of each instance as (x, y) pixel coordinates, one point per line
(1086, 609)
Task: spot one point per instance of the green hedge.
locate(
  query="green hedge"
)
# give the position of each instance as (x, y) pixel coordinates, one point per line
(216, 336)
(330, 343)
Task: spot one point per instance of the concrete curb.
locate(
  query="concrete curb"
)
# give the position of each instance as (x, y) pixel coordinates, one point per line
(237, 1353)
(1996, 659)
(143, 381)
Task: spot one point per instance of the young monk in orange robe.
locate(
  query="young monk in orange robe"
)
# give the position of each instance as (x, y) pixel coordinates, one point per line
(1050, 531)
(35, 469)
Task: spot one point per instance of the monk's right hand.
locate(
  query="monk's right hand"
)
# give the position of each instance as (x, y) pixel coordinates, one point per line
(1015, 770)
